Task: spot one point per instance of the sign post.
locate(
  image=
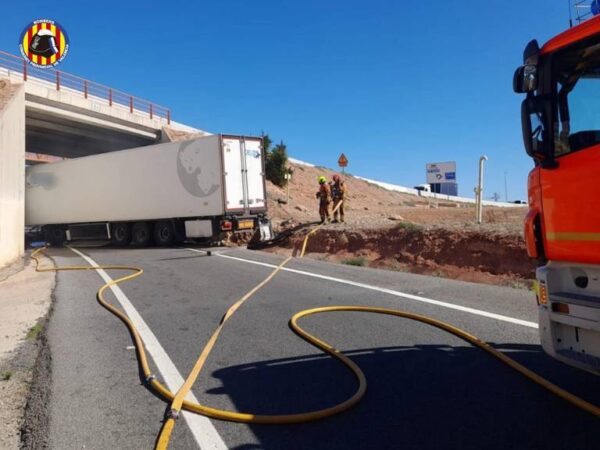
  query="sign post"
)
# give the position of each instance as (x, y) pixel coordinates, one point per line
(343, 162)
(442, 178)
(288, 177)
(441, 172)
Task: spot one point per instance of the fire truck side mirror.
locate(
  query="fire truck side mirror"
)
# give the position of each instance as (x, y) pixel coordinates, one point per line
(531, 54)
(525, 79)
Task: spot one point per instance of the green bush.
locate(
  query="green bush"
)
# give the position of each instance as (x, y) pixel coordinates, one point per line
(275, 162)
(34, 332)
(5, 375)
(360, 261)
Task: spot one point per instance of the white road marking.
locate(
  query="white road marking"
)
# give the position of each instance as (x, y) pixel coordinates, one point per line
(202, 429)
(417, 298)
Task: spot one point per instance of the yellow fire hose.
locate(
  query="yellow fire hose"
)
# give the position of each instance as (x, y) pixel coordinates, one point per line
(178, 401)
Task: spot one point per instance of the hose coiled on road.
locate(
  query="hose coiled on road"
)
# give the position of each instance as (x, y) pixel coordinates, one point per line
(178, 402)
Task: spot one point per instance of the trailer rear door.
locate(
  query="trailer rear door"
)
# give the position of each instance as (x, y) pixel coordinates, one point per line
(235, 198)
(255, 177)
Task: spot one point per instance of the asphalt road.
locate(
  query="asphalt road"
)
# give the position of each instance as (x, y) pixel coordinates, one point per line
(427, 389)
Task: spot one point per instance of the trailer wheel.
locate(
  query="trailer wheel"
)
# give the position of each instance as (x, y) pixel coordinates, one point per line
(164, 233)
(55, 236)
(121, 234)
(140, 234)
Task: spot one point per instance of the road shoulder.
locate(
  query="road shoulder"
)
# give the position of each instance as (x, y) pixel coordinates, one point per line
(25, 300)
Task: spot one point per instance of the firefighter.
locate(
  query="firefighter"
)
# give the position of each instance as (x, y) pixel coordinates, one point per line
(338, 193)
(324, 196)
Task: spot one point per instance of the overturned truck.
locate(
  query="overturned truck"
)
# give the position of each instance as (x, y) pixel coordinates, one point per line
(159, 194)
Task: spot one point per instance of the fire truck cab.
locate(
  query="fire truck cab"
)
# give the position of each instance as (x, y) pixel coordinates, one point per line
(561, 132)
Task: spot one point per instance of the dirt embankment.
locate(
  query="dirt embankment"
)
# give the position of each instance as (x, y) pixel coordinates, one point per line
(398, 231)
(464, 255)
(371, 206)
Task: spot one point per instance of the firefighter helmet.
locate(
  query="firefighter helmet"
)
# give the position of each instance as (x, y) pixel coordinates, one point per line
(43, 44)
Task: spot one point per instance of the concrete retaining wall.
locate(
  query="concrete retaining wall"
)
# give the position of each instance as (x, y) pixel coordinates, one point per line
(12, 172)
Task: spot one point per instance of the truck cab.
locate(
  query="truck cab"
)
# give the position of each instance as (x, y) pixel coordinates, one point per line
(560, 119)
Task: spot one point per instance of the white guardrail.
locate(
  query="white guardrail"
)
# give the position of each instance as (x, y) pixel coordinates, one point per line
(406, 190)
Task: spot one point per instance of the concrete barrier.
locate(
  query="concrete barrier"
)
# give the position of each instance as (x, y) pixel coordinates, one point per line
(451, 198)
(12, 171)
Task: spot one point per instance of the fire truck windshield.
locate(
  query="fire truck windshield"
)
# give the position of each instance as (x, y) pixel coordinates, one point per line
(577, 76)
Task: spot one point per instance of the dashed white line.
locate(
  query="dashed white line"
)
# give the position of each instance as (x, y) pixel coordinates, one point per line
(417, 298)
(202, 429)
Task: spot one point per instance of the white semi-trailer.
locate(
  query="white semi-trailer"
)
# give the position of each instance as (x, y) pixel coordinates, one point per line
(161, 193)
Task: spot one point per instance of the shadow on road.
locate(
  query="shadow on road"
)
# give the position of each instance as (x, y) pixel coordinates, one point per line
(192, 256)
(425, 397)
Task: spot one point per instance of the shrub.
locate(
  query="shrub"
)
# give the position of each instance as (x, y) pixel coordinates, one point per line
(5, 375)
(360, 261)
(34, 332)
(275, 162)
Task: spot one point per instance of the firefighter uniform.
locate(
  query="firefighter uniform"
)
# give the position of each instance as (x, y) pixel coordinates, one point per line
(338, 193)
(324, 196)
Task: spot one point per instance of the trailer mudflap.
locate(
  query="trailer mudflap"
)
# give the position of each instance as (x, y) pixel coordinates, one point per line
(263, 233)
(264, 229)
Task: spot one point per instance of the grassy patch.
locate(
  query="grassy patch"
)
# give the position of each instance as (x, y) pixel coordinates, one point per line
(519, 284)
(5, 375)
(360, 261)
(34, 332)
(409, 226)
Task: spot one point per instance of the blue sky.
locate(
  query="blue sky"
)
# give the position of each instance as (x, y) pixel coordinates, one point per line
(393, 84)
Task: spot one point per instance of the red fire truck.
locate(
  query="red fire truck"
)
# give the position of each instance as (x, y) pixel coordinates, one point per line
(561, 132)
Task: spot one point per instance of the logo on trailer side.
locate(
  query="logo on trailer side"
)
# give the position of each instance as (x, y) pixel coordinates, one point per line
(197, 180)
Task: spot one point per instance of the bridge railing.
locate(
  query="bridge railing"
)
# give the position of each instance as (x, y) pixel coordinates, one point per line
(16, 65)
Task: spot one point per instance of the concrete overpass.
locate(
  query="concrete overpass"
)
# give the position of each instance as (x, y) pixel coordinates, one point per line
(47, 115)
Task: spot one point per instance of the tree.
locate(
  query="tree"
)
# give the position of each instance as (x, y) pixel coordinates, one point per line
(266, 142)
(276, 161)
(496, 196)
